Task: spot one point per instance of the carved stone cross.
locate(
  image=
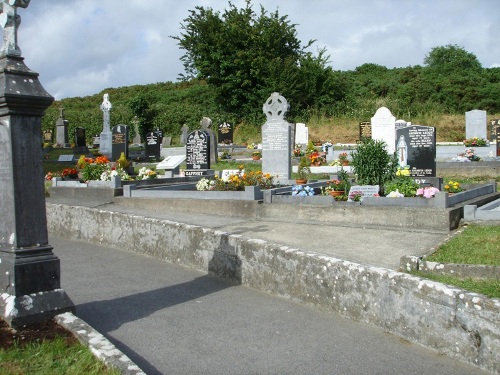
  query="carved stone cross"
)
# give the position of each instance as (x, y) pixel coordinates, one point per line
(10, 21)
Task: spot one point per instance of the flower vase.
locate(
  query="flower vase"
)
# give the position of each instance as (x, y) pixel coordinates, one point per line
(301, 181)
(337, 193)
(256, 157)
(345, 162)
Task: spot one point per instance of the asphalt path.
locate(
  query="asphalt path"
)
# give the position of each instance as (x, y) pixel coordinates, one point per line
(173, 320)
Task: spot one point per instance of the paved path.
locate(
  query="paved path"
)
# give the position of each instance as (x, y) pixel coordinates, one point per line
(172, 320)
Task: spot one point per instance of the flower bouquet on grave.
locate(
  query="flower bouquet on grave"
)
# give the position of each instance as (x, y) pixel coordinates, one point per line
(335, 188)
(453, 187)
(475, 142)
(302, 191)
(427, 192)
(146, 174)
(71, 173)
(317, 159)
(355, 196)
(471, 155)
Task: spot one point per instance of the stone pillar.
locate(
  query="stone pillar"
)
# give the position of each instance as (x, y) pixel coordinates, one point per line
(29, 271)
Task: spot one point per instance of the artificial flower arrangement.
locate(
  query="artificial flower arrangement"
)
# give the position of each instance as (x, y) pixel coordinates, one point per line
(257, 154)
(70, 173)
(453, 187)
(205, 184)
(355, 196)
(316, 158)
(475, 142)
(237, 181)
(92, 168)
(146, 174)
(405, 171)
(427, 192)
(115, 172)
(395, 194)
(297, 151)
(471, 155)
(302, 191)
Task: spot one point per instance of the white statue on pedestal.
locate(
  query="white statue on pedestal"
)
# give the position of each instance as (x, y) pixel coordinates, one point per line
(106, 136)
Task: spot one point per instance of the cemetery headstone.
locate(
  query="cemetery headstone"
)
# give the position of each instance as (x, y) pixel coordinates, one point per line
(105, 144)
(80, 141)
(184, 134)
(206, 123)
(276, 139)
(47, 136)
(495, 123)
(384, 128)
(301, 134)
(475, 124)
(120, 141)
(153, 145)
(197, 153)
(137, 137)
(399, 124)
(62, 130)
(29, 270)
(166, 142)
(365, 130)
(80, 137)
(416, 150)
(96, 141)
(498, 140)
(225, 133)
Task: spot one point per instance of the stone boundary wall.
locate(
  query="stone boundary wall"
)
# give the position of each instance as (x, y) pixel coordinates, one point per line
(450, 321)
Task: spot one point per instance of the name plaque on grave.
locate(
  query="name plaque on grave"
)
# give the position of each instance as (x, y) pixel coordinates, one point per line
(416, 150)
(198, 150)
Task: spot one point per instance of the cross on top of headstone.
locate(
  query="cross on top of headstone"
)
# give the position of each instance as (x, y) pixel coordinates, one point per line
(275, 107)
(61, 112)
(9, 20)
(205, 123)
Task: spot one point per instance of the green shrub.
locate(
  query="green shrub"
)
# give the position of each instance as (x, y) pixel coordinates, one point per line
(372, 164)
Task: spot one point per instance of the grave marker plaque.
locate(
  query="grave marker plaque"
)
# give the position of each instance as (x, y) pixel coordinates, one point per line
(197, 151)
(225, 133)
(416, 149)
(120, 140)
(153, 145)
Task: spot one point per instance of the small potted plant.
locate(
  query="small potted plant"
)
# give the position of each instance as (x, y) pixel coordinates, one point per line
(453, 187)
(303, 171)
(334, 188)
(256, 155)
(343, 158)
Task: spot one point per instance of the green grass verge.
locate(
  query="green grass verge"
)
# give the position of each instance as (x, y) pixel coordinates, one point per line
(490, 288)
(475, 245)
(51, 358)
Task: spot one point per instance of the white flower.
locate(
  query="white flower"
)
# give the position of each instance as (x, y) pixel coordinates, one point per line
(395, 194)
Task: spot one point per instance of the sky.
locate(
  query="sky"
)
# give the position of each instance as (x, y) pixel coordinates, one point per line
(81, 47)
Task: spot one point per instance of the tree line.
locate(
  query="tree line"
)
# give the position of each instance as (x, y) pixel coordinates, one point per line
(235, 59)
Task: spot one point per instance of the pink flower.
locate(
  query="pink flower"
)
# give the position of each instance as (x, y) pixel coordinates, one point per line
(427, 192)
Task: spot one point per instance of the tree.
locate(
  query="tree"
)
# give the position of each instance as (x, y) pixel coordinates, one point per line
(451, 58)
(140, 108)
(245, 57)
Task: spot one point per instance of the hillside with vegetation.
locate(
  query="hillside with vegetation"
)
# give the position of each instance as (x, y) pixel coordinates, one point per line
(233, 63)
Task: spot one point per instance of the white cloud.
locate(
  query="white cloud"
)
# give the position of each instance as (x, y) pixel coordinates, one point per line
(81, 47)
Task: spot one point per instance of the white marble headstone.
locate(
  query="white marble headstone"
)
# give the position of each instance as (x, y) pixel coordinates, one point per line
(301, 134)
(384, 128)
(475, 124)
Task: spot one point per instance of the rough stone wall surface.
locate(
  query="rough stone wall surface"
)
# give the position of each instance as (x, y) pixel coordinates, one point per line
(448, 320)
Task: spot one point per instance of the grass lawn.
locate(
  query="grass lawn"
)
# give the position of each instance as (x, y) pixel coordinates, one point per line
(46, 349)
(475, 245)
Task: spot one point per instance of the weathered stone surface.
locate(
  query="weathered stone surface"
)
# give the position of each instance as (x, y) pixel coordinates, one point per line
(451, 321)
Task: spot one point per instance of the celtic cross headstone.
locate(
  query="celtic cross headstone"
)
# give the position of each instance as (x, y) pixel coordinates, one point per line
(276, 139)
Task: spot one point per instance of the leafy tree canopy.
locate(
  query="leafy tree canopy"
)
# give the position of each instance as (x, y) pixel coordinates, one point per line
(451, 58)
(246, 56)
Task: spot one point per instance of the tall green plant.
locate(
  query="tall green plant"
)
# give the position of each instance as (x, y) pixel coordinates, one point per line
(372, 163)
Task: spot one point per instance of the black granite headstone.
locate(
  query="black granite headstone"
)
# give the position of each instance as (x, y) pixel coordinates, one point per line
(416, 149)
(365, 130)
(498, 140)
(153, 145)
(225, 133)
(80, 137)
(119, 142)
(198, 150)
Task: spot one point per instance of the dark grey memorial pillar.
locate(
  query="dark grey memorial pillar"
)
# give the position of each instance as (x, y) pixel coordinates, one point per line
(29, 271)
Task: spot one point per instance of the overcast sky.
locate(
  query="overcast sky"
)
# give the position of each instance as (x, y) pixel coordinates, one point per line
(80, 47)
